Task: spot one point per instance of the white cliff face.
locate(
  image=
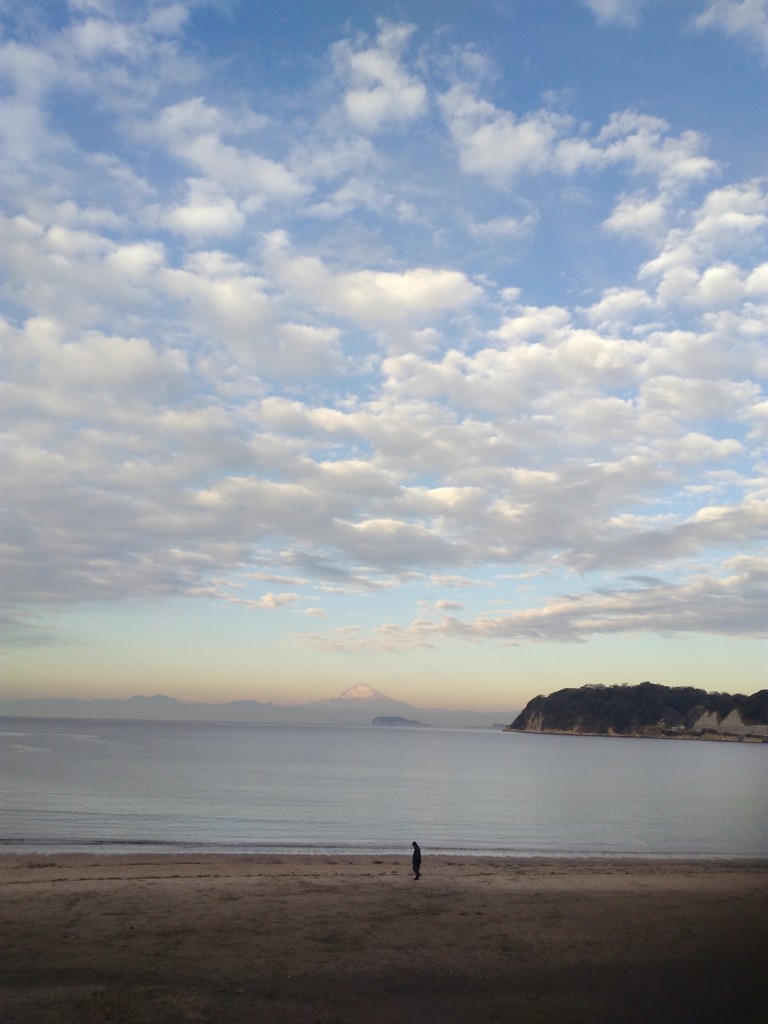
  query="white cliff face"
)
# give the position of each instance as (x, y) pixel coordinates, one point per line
(707, 721)
(731, 725)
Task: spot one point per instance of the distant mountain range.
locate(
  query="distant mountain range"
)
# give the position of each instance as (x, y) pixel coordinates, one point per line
(647, 709)
(358, 705)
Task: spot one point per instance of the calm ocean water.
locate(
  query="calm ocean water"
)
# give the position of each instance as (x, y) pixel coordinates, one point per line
(122, 786)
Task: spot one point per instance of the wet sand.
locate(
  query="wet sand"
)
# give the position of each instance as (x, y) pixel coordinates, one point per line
(335, 940)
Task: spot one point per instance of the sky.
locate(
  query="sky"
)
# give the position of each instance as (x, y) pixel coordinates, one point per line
(415, 344)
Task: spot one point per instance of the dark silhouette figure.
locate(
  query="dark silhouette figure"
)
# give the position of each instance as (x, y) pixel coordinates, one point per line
(416, 861)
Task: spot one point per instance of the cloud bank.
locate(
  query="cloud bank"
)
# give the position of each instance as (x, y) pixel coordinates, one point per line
(329, 337)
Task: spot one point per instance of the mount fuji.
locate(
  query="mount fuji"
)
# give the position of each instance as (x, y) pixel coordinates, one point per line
(357, 705)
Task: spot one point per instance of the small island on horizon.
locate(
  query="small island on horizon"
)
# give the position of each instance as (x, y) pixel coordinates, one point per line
(396, 720)
(647, 709)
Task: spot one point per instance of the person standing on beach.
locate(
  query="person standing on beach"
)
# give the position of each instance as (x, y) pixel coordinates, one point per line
(416, 861)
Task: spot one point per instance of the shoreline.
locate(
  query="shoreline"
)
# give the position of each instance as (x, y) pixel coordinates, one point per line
(708, 735)
(133, 850)
(152, 938)
(12, 861)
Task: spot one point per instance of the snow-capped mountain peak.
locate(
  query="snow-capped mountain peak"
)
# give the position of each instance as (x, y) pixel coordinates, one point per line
(360, 691)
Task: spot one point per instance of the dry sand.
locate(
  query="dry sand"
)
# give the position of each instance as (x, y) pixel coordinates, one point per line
(328, 940)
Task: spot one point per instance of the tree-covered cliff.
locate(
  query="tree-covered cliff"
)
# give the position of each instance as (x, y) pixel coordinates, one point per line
(647, 709)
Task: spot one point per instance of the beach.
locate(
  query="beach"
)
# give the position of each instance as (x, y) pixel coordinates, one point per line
(147, 939)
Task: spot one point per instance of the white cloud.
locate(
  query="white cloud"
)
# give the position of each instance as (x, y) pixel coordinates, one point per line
(96, 37)
(757, 283)
(505, 227)
(79, 276)
(495, 143)
(727, 223)
(167, 20)
(644, 143)
(380, 89)
(232, 307)
(270, 601)
(499, 145)
(620, 307)
(352, 195)
(518, 377)
(630, 548)
(744, 18)
(533, 323)
(97, 360)
(682, 398)
(638, 215)
(106, 8)
(622, 12)
(730, 215)
(369, 297)
(192, 130)
(207, 212)
(420, 387)
(731, 602)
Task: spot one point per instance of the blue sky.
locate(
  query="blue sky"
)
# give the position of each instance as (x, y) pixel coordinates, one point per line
(420, 345)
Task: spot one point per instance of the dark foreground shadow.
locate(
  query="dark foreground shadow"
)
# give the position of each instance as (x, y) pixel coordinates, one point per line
(731, 987)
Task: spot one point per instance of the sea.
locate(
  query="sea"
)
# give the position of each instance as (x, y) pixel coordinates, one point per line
(128, 786)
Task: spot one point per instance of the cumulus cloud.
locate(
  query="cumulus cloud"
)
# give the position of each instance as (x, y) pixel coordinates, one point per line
(381, 90)
(495, 143)
(693, 266)
(638, 215)
(207, 212)
(620, 307)
(193, 131)
(500, 145)
(369, 297)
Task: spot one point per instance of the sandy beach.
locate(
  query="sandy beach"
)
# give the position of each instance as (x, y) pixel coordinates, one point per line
(336, 939)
